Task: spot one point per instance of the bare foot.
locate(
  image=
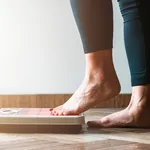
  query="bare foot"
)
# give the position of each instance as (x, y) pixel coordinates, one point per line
(100, 84)
(135, 115)
(91, 91)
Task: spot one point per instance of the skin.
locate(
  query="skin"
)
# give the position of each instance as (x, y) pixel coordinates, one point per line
(135, 115)
(101, 83)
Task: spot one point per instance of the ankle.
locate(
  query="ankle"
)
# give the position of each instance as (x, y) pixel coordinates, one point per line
(142, 90)
(140, 99)
(101, 73)
(140, 93)
(109, 82)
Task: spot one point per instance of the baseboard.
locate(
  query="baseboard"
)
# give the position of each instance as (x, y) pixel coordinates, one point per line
(52, 100)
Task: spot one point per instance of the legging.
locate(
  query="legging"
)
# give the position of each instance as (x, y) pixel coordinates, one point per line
(94, 19)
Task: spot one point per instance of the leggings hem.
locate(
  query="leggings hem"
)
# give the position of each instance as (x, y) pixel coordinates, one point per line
(96, 50)
(140, 81)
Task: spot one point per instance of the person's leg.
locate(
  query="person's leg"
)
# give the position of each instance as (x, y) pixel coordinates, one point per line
(136, 14)
(94, 19)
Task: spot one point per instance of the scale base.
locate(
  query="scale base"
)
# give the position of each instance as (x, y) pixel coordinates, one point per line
(38, 120)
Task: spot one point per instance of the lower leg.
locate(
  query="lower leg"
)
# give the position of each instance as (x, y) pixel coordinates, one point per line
(137, 31)
(100, 82)
(135, 115)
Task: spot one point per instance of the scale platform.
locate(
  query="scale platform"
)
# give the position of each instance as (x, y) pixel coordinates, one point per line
(38, 120)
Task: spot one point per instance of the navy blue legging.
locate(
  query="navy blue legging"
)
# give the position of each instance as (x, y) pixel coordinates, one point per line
(94, 19)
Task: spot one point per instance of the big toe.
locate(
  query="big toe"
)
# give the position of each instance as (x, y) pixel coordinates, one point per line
(99, 123)
(70, 112)
(56, 109)
(119, 119)
(50, 109)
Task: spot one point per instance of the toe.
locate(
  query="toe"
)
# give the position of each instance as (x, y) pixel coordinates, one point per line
(50, 112)
(69, 112)
(53, 112)
(56, 113)
(94, 124)
(50, 109)
(60, 113)
(99, 123)
(119, 119)
(56, 108)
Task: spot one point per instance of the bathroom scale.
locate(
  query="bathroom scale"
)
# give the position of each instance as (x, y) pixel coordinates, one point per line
(38, 120)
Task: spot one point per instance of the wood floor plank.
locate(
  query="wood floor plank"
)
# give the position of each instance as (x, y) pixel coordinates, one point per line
(42, 144)
(94, 145)
(135, 146)
(90, 139)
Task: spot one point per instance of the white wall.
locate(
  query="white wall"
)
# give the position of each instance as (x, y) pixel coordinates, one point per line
(41, 50)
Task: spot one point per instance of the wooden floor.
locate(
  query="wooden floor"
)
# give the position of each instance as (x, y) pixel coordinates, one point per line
(91, 139)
